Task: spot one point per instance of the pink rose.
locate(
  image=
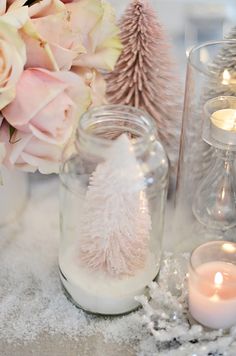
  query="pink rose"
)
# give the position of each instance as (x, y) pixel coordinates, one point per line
(44, 115)
(49, 39)
(27, 153)
(82, 33)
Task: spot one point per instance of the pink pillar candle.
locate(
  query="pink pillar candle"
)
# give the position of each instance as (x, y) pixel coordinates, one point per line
(212, 285)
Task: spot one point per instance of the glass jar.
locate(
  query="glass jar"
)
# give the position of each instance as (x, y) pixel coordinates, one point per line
(206, 183)
(113, 194)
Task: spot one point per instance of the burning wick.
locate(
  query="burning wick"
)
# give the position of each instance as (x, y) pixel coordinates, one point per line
(218, 279)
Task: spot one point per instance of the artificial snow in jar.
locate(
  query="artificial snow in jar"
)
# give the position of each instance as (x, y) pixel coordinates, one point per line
(113, 194)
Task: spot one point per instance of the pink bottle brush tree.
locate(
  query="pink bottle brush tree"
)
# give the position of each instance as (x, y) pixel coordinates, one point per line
(144, 77)
(116, 224)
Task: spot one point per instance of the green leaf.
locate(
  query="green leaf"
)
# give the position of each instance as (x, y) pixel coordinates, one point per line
(12, 130)
(31, 2)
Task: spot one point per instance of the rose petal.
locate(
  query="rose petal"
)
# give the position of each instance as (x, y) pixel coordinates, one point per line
(3, 5)
(35, 40)
(17, 15)
(46, 7)
(54, 123)
(77, 90)
(27, 153)
(65, 44)
(12, 60)
(96, 84)
(96, 22)
(42, 88)
(44, 156)
(19, 142)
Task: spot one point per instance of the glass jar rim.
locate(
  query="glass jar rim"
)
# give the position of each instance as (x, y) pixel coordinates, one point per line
(198, 47)
(208, 245)
(149, 134)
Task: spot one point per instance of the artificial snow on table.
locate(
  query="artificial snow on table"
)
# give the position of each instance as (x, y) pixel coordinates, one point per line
(32, 302)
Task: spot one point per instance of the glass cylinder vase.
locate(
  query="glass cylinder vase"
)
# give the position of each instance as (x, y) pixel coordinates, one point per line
(206, 187)
(113, 193)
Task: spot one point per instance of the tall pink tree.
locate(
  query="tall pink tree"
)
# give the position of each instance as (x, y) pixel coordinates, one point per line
(144, 74)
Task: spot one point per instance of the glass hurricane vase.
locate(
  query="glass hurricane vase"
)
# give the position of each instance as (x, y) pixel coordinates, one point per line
(206, 184)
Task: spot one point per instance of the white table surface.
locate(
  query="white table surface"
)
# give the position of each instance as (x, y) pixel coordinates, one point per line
(44, 199)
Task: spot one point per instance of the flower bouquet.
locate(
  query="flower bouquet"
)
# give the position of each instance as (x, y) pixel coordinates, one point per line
(52, 54)
(51, 58)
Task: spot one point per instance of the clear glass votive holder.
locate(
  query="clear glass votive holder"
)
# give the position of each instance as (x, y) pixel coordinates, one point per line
(212, 284)
(214, 202)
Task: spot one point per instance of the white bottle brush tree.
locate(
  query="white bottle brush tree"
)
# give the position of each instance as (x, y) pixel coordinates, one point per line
(223, 70)
(116, 225)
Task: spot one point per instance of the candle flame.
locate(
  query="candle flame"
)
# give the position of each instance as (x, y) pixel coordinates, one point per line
(226, 77)
(219, 279)
(228, 247)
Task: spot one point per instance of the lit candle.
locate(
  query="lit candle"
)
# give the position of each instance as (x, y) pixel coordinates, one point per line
(223, 126)
(212, 285)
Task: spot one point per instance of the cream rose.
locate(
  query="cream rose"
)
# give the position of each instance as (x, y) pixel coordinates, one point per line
(12, 61)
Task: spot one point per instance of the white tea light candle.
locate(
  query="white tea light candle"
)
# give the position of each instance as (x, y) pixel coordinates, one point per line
(219, 124)
(223, 126)
(212, 284)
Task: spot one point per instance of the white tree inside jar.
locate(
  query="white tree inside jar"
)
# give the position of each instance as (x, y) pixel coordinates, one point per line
(113, 198)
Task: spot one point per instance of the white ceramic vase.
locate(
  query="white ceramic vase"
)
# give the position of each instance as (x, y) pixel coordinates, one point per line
(14, 192)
